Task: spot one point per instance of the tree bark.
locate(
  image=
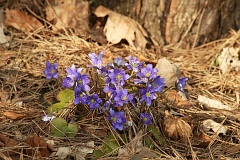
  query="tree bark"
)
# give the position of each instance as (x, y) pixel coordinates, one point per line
(185, 23)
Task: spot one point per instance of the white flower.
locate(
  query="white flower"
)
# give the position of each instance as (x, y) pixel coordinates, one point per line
(47, 118)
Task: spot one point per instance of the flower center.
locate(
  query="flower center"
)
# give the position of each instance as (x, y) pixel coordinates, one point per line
(148, 74)
(52, 71)
(119, 77)
(124, 98)
(92, 100)
(80, 82)
(114, 119)
(148, 94)
(145, 119)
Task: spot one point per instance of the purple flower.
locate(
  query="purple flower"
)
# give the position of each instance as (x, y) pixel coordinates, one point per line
(147, 118)
(96, 60)
(68, 82)
(118, 62)
(146, 73)
(82, 81)
(147, 95)
(109, 88)
(122, 97)
(134, 102)
(118, 77)
(157, 84)
(110, 101)
(103, 71)
(94, 101)
(80, 96)
(51, 71)
(141, 80)
(134, 64)
(181, 83)
(107, 104)
(117, 119)
(73, 72)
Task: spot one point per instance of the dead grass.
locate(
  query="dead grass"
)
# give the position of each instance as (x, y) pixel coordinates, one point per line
(25, 90)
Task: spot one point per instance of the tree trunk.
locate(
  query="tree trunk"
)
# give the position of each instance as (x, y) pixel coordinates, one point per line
(185, 23)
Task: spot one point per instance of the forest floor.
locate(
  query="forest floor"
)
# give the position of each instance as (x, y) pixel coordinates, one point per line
(26, 94)
(181, 129)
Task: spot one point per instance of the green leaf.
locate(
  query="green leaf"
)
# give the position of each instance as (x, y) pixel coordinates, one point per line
(124, 137)
(156, 133)
(72, 130)
(65, 95)
(97, 154)
(110, 144)
(60, 128)
(56, 107)
(148, 142)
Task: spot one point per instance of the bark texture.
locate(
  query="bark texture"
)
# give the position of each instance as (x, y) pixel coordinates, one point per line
(186, 23)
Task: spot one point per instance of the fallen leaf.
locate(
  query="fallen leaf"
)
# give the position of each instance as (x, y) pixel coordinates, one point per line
(179, 98)
(37, 143)
(211, 103)
(21, 21)
(176, 128)
(201, 140)
(63, 152)
(9, 143)
(211, 125)
(144, 153)
(13, 115)
(69, 14)
(78, 151)
(84, 149)
(229, 59)
(3, 38)
(120, 27)
(168, 70)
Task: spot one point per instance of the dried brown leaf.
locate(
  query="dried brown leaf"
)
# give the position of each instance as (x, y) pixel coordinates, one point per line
(66, 14)
(7, 142)
(3, 38)
(168, 70)
(202, 140)
(120, 27)
(37, 142)
(13, 115)
(21, 21)
(175, 97)
(176, 128)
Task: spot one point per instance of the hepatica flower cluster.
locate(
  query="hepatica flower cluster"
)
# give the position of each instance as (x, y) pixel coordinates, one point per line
(123, 85)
